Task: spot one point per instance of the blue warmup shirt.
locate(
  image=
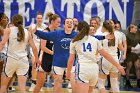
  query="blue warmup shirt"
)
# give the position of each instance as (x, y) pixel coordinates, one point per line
(61, 42)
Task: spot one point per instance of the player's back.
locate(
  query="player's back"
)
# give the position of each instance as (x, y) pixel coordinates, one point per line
(17, 49)
(112, 50)
(86, 49)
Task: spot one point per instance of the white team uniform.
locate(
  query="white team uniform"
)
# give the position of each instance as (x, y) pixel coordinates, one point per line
(36, 39)
(17, 54)
(105, 66)
(87, 68)
(123, 38)
(60, 71)
(99, 32)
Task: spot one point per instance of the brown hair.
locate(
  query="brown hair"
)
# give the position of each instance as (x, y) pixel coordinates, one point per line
(109, 27)
(94, 20)
(82, 32)
(17, 20)
(38, 13)
(131, 26)
(1, 16)
(52, 16)
(66, 19)
(1, 26)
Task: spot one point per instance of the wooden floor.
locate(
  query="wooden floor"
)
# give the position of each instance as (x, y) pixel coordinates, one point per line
(64, 90)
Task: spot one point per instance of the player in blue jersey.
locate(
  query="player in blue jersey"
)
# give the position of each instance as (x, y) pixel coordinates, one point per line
(85, 47)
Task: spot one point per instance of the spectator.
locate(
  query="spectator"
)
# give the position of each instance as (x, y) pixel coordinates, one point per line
(132, 58)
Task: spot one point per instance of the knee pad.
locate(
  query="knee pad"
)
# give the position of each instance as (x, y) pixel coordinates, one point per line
(114, 84)
(101, 83)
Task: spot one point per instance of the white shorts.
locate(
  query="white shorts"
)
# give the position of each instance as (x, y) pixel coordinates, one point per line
(12, 65)
(106, 67)
(87, 73)
(60, 71)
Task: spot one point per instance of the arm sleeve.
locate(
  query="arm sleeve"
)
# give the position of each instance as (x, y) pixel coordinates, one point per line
(46, 35)
(72, 48)
(99, 37)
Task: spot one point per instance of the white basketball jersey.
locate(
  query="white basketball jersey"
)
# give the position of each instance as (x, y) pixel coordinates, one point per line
(86, 49)
(121, 35)
(36, 39)
(17, 49)
(112, 50)
(118, 34)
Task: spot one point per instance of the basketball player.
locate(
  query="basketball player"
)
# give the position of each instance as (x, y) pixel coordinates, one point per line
(122, 55)
(47, 48)
(106, 68)
(17, 62)
(40, 26)
(3, 23)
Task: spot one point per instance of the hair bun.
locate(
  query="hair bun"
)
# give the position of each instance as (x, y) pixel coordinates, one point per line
(49, 14)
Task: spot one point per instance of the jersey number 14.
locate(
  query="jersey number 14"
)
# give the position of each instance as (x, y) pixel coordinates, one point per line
(87, 47)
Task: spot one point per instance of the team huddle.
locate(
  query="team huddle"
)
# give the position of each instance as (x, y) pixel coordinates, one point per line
(87, 53)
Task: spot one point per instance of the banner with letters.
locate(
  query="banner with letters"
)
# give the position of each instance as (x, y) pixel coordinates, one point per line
(121, 10)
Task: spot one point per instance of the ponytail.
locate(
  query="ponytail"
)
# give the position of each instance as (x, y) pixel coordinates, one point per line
(84, 30)
(17, 20)
(21, 34)
(52, 17)
(110, 29)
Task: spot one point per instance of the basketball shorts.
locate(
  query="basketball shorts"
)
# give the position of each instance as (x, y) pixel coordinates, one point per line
(106, 67)
(87, 73)
(20, 67)
(60, 71)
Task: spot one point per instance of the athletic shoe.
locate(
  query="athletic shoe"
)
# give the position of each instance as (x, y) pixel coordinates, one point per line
(11, 89)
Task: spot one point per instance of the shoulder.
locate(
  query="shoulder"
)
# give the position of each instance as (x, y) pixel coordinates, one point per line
(33, 25)
(93, 38)
(44, 25)
(117, 32)
(74, 33)
(73, 43)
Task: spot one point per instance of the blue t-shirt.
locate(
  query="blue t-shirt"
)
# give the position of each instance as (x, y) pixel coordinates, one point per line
(61, 42)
